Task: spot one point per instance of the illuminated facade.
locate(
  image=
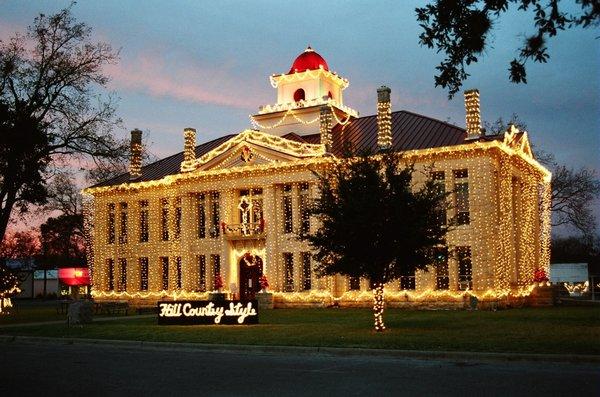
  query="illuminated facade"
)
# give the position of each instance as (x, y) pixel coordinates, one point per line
(228, 211)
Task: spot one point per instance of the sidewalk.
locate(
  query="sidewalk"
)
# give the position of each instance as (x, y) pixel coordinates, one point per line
(295, 350)
(96, 319)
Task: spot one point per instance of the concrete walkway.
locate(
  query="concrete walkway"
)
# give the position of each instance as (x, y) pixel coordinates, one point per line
(308, 350)
(96, 319)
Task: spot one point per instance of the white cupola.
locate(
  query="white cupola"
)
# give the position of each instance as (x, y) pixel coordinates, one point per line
(301, 93)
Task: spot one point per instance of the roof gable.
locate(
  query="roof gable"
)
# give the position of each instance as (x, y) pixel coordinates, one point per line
(254, 147)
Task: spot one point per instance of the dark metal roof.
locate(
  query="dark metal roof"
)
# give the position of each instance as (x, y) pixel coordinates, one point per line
(409, 131)
(167, 166)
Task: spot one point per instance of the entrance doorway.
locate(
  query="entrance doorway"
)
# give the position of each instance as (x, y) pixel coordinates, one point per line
(251, 267)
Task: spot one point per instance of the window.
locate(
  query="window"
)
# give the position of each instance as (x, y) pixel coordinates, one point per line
(110, 264)
(202, 273)
(123, 224)
(164, 267)
(201, 205)
(111, 224)
(164, 219)
(407, 282)
(288, 265)
(122, 275)
(304, 208)
(439, 178)
(215, 224)
(440, 260)
(143, 274)
(354, 283)
(287, 209)
(177, 217)
(461, 196)
(299, 95)
(144, 235)
(465, 271)
(215, 264)
(306, 271)
(178, 281)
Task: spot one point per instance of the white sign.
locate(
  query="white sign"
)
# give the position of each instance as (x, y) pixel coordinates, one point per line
(207, 312)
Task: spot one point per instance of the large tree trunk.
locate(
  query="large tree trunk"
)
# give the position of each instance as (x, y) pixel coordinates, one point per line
(378, 307)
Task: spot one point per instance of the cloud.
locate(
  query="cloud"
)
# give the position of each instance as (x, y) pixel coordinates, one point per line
(186, 80)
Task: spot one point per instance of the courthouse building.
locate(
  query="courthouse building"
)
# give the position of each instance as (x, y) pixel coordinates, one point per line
(225, 212)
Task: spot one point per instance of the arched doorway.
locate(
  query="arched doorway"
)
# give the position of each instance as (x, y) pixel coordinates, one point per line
(251, 267)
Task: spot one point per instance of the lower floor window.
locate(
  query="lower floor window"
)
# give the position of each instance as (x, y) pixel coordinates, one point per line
(111, 274)
(354, 283)
(441, 269)
(465, 271)
(306, 271)
(122, 275)
(407, 282)
(178, 272)
(288, 264)
(164, 272)
(202, 273)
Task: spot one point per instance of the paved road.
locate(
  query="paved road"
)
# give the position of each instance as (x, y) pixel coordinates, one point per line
(100, 370)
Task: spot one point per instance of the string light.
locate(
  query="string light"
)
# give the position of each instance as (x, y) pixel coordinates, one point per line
(472, 113)
(179, 233)
(292, 113)
(276, 80)
(384, 118)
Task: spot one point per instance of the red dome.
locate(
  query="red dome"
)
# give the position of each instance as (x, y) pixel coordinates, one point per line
(308, 60)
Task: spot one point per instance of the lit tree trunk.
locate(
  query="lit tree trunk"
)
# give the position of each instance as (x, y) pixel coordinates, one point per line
(378, 307)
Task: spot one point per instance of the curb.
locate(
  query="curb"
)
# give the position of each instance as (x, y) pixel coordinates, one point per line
(331, 351)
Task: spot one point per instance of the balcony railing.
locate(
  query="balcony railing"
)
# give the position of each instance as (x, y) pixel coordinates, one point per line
(244, 230)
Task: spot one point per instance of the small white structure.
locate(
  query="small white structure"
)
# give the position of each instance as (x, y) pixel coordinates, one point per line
(574, 276)
(568, 272)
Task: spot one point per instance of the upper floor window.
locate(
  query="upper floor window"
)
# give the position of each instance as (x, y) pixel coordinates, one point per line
(209, 217)
(177, 217)
(299, 95)
(144, 214)
(123, 223)
(287, 209)
(461, 196)
(304, 208)
(111, 224)
(439, 177)
(164, 219)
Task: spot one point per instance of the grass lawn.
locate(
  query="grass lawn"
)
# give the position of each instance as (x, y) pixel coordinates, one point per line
(529, 330)
(30, 311)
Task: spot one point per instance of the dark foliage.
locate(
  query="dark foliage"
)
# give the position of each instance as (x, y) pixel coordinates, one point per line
(374, 224)
(62, 242)
(49, 107)
(577, 250)
(461, 29)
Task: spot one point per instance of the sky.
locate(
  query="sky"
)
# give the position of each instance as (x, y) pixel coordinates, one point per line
(205, 64)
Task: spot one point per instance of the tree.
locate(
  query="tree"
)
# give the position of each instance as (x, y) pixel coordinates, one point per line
(375, 223)
(461, 29)
(573, 190)
(19, 245)
(50, 109)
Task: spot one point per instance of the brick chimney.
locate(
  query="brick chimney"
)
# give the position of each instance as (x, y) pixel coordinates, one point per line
(384, 118)
(325, 127)
(189, 145)
(473, 114)
(135, 156)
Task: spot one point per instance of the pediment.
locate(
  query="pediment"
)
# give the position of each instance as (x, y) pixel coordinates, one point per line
(518, 140)
(252, 147)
